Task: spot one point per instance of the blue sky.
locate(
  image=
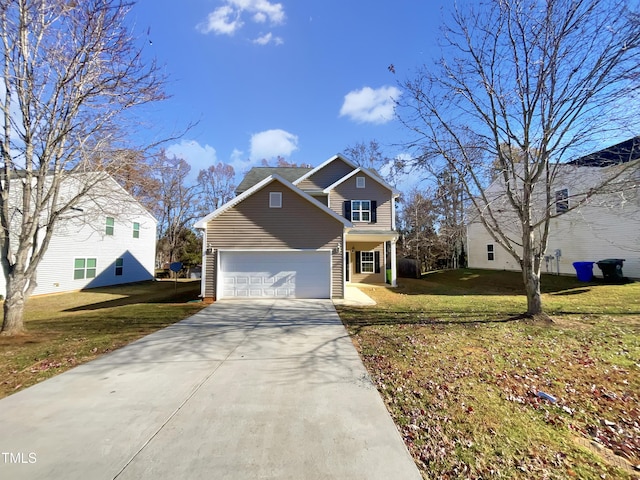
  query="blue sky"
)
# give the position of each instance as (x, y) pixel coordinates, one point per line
(300, 79)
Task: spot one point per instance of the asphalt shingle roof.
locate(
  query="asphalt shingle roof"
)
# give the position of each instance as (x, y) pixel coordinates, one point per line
(257, 174)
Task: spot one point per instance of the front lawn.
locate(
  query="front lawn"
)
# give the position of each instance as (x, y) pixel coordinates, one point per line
(478, 392)
(65, 330)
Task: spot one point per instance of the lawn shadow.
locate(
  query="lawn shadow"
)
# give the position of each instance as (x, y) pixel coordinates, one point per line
(467, 281)
(168, 293)
(359, 317)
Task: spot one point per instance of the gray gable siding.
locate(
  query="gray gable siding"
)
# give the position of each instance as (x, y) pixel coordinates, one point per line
(373, 191)
(298, 224)
(327, 176)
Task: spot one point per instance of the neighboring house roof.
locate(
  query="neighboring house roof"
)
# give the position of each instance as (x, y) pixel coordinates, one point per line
(622, 152)
(201, 224)
(324, 164)
(257, 174)
(366, 172)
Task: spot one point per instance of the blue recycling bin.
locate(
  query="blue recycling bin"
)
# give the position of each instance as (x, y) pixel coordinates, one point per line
(584, 271)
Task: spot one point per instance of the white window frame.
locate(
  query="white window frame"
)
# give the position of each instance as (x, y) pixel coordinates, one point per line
(367, 262)
(562, 200)
(360, 212)
(360, 182)
(275, 199)
(87, 271)
(136, 229)
(491, 252)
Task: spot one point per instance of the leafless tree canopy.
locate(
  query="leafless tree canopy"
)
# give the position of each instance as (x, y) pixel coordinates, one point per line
(548, 79)
(71, 73)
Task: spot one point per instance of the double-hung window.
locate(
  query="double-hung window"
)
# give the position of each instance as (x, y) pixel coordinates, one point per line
(136, 230)
(360, 211)
(367, 262)
(491, 252)
(562, 200)
(110, 225)
(119, 266)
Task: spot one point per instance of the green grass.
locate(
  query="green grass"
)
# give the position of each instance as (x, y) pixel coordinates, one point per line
(65, 330)
(460, 373)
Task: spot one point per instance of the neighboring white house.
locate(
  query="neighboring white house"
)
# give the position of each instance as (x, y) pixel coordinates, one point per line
(107, 238)
(588, 227)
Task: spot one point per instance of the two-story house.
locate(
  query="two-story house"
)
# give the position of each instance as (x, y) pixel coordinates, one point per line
(301, 233)
(105, 238)
(594, 213)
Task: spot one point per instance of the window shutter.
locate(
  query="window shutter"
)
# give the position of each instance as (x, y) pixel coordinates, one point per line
(374, 210)
(358, 268)
(377, 261)
(347, 209)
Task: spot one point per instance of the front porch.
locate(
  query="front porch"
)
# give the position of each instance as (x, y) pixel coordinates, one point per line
(370, 257)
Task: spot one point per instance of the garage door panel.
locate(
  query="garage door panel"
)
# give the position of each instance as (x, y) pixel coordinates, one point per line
(275, 274)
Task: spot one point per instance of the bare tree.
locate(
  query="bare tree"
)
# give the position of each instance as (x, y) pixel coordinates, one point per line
(216, 185)
(367, 155)
(547, 78)
(71, 73)
(177, 204)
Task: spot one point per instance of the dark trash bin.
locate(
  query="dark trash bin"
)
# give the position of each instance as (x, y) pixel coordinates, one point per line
(584, 271)
(612, 269)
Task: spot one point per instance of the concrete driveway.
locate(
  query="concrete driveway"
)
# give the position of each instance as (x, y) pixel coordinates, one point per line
(241, 390)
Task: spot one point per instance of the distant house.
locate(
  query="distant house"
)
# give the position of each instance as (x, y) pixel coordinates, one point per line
(585, 226)
(107, 238)
(301, 232)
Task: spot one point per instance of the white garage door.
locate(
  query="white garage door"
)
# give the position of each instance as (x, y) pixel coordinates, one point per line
(275, 274)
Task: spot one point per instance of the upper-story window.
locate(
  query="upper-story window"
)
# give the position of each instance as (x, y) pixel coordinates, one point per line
(110, 225)
(136, 230)
(562, 200)
(275, 199)
(360, 211)
(360, 182)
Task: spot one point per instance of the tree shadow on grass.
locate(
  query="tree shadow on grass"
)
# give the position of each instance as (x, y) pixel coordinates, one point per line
(168, 293)
(358, 318)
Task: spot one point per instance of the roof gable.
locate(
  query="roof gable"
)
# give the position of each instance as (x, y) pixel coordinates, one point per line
(201, 224)
(367, 173)
(323, 165)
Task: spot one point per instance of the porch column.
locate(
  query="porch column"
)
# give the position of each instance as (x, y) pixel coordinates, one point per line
(394, 283)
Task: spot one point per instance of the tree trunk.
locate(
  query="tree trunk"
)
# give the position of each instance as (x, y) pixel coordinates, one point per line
(532, 288)
(531, 273)
(13, 323)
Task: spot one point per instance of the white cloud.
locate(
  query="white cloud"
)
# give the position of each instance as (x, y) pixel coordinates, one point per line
(222, 21)
(196, 155)
(228, 18)
(268, 38)
(271, 143)
(370, 106)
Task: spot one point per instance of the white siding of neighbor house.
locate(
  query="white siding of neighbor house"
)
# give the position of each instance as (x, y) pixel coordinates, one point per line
(82, 234)
(608, 226)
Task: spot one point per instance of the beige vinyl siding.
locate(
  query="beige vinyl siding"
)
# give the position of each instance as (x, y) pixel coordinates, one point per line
(327, 176)
(210, 268)
(372, 191)
(297, 225)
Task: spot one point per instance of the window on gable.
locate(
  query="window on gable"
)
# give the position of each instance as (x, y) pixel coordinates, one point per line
(110, 226)
(562, 200)
(84, 268)
(275, 199)
(360, 182)
(136, 230)
(119, 266)
(490, 252)
(367, 262)
(360, 211)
